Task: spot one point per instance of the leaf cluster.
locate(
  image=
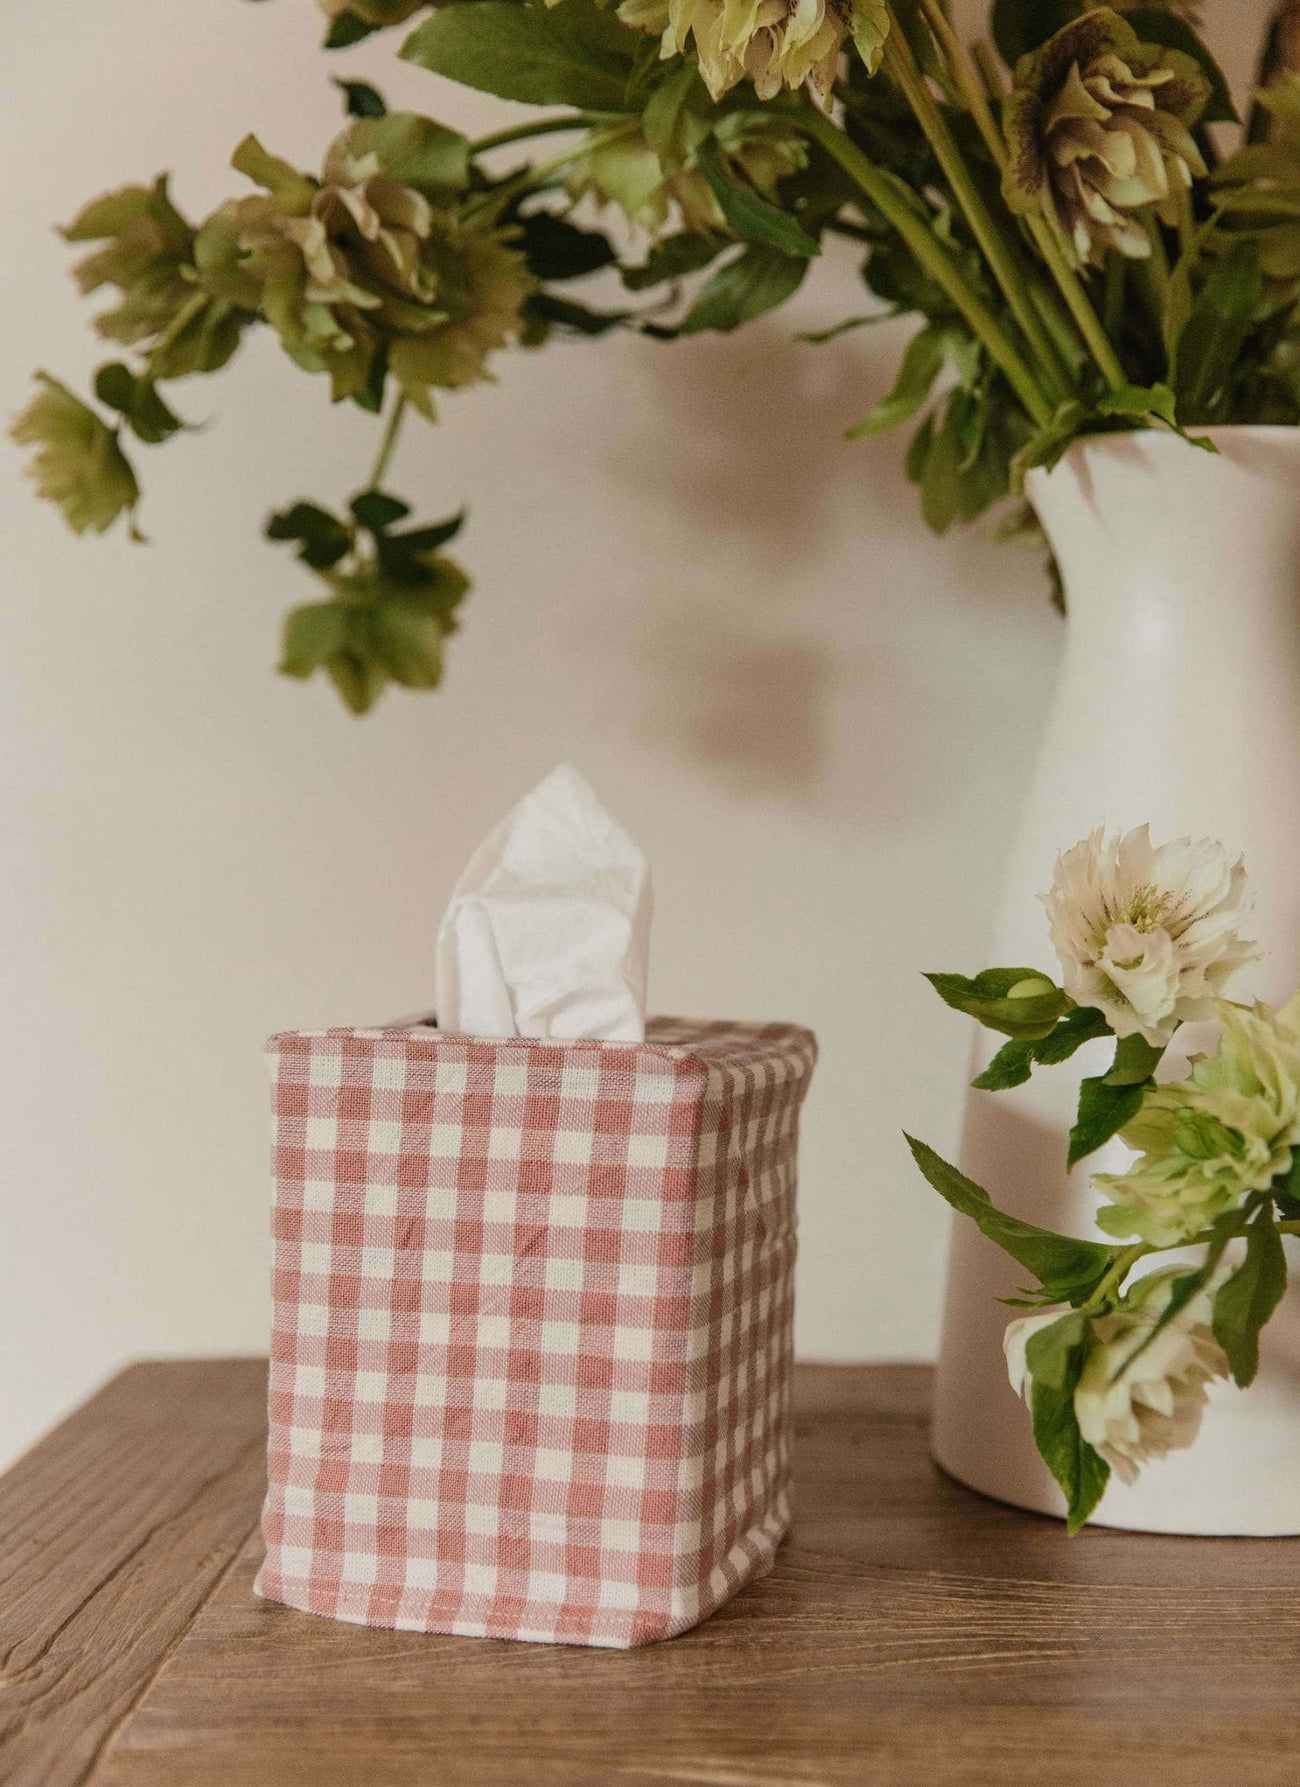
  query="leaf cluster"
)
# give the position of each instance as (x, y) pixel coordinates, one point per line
(393, 601)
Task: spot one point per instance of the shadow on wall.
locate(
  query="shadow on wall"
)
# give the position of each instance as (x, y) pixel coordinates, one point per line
(757, 472)
(785, 632)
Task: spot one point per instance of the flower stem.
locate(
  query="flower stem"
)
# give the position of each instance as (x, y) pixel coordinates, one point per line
(968, 84)
(1117, 1274)
(1063, 274)
(520, 133)
(895, 204)
(1071, 289)
(989, 72)
(176, 328)
(388, 444)
(1067, 281)
(902, 66)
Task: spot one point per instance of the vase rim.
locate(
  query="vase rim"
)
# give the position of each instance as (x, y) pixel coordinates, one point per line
(1159, 439)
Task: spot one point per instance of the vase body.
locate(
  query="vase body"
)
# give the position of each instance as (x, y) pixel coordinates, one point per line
(1178, 704)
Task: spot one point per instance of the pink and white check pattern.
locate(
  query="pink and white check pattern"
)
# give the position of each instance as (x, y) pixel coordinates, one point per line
(530, 1366)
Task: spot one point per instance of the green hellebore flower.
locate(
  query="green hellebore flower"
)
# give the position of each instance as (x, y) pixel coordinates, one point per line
(148, 254)
(78, 463)
(775, 44)
(1098, 127)
(1205, 1143)
(377, 258)
(621, 167)
(147, 245)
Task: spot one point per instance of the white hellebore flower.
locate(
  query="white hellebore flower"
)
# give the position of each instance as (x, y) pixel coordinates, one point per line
(1149, 936)
(1017, 1338)
(1134, 1412)
(1134, 1409)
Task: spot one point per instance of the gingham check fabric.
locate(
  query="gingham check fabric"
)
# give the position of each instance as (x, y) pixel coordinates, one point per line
(530, 1365)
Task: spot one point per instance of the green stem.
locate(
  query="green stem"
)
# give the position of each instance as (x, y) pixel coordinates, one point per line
(520, 133)
(1067, 282)
(176, 328)
(388, 444)
(488, 206)
(933, 257)
(968, 83)
(902, 66)
(1115, 289)
(1117, 1274)
(1288, 1228)
(989, 71)
(1071, 289)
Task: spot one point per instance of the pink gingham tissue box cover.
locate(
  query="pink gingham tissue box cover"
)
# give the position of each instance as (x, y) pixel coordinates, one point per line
(530, 1363)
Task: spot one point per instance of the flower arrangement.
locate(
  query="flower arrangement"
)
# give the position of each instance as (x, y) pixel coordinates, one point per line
(1055, 205)
(1115, 1369)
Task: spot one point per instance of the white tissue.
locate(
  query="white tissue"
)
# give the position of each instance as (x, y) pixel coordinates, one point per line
(548, 930)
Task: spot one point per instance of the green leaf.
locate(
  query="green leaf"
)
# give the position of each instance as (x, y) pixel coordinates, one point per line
(1286, 1189)
(322, 538)
(77, 462)
(376, 511)
(1020, 26)
(753, 218)
(1014, 1062)
(1179, 297)
(416, 151)
(570, 55)
(360, 99)
(1181, 1291)
(312, 635)
(1083, 1024)
(1104, 1109)
(1211, 343)
(1139, 401)
(1155, 24)
(348, 28)
(1052, 442)
(428, 539)
(1018, 1002)
(290, 189)
(359, 678)
(921, 365)
(1011, 1066)
(370, 396)
(558, 249)
(1068, 1265)
(815, 337)
(965, 468)
(564, 313)
(870, 27)
(755, 281)
(918, 450)
(1244, 1304)
(408, 559)
(137, 401)
(678, 117)
(408, 643)
(1136, 1061)
(672, 257)
(1055, 1357)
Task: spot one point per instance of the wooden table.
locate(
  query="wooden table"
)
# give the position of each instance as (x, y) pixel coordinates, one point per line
(911, 1633)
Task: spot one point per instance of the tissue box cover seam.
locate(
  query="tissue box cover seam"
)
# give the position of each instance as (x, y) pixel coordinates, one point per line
(531, 1345)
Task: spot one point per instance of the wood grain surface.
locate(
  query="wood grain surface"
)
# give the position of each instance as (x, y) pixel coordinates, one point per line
(911, 1634)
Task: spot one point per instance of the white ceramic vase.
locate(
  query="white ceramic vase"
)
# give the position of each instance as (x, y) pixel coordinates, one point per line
(1178, 704)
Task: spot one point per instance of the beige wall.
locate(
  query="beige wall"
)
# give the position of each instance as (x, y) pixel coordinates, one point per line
(817, 719)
